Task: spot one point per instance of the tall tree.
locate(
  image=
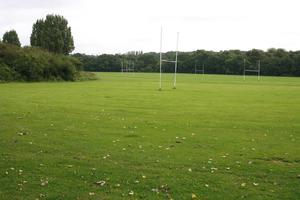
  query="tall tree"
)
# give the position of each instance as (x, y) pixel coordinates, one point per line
(53, 34)
(11, 37)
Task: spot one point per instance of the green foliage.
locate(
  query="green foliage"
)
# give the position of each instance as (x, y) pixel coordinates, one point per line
(6, 73)
(35, 64)
(276, 62)
(53, 34)
(87, 76)
(11, 37)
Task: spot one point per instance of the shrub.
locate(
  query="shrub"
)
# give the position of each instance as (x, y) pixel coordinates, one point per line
(6, 73)
(35, 64)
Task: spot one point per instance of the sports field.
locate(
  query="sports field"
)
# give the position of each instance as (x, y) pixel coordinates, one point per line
(214, 137)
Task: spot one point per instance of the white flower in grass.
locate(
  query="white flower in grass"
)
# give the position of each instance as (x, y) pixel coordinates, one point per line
(131, 193)
(91, 193)
(255, 184)
(243, 184)
(42, 195)
(44, 182)
(155, 190)
(101, 183)
(190, 170)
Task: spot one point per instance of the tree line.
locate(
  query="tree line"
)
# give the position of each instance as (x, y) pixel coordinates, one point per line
(46, 59)
(51, 43)
(275, 62)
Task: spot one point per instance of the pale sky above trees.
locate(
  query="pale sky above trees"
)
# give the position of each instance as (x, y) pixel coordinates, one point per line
(118, 26)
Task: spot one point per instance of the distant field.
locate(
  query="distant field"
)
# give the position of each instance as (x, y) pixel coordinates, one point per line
(118, 137)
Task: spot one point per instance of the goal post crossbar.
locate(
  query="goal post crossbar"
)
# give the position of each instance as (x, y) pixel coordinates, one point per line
(169, 61)
(251, 70)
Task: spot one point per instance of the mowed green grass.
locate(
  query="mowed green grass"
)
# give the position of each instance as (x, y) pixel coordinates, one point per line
(216, 137)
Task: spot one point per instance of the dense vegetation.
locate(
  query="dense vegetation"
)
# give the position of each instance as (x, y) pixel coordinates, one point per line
(46, 59)
(277, 62)
(35, 64)
(52, 34)
(11, 37)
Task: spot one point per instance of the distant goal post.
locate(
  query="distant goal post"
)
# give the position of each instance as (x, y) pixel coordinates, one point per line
(257, 70)
(199, 70)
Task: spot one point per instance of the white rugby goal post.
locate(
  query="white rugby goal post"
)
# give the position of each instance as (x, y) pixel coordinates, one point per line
(252, 70)
(199, 70)
(169, 61)
(127, 66)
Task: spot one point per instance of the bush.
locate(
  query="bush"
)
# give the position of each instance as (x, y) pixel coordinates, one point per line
(6, 73)
(35, 64)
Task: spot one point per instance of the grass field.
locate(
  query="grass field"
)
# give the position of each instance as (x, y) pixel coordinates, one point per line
(120, 138)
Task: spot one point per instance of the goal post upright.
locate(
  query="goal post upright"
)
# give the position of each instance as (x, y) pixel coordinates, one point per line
(244, 69)
(168, 61)
(160, 57)
(176, 55)
(258, 73)
(122, 66)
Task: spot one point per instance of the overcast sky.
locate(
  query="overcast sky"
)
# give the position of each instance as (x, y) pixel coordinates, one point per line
(118, 26)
